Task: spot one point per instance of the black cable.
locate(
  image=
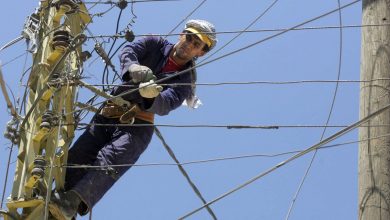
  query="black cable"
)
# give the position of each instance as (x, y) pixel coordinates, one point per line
(105, 71)
(116, 51)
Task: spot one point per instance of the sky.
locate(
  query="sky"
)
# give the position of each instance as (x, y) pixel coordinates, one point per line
(300, 109)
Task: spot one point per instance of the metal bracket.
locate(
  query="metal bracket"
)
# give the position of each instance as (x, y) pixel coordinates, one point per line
(30, 30)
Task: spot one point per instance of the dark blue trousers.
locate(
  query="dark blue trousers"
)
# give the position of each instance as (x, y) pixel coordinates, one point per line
(102, 146)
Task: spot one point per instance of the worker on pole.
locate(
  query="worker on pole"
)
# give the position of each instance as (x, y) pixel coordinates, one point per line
(143, 63)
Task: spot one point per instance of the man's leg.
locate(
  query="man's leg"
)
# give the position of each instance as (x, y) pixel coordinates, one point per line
(127, 145)
(84, 152)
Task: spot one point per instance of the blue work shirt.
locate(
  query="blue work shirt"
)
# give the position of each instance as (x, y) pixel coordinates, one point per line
(153, 52)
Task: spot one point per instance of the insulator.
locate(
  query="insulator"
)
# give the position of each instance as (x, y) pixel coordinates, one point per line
(55, 80)
(55, 75)
(39, 167)
(100, 51)
(40, 162)
(122, 4)
(69, 4)
(129, 35)
(61, 39)
(47, 120)
(38, 172)
(48, 114)
(45, 125)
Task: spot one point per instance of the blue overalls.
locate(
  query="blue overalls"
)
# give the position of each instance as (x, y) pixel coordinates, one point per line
(114, 145)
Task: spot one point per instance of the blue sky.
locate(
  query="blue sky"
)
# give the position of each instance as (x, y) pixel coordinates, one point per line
(161, 192)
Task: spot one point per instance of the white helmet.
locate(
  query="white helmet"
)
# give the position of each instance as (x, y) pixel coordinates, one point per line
(204, 30)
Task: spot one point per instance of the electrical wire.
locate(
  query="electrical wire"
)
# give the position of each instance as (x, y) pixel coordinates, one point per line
(12, 145)
(294, 157)
(238, 50)
(184, 172)
(12, 42)
(132, 1)
(13, 59)
(240, 33)
(287, 29)
(6, 175)
(105, 71)
(327, 120)
(249, 31)
(184, 19)
(222, 126)
(226, 158)
(252, 83)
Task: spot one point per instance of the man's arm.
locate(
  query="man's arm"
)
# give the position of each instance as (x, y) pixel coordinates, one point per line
(135, 51)
(170, 98)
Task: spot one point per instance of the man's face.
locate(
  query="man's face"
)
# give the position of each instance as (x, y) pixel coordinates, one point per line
(189, 46)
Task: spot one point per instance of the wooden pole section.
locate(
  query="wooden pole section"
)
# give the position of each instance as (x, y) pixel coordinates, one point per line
(374, 155)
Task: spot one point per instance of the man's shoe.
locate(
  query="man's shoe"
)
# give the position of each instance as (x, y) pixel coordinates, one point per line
(64, 205)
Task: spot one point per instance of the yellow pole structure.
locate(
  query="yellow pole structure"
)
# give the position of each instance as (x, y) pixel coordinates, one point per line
(44, 141)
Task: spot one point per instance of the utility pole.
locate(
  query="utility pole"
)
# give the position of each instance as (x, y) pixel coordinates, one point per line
(374, 154)
(44, 134)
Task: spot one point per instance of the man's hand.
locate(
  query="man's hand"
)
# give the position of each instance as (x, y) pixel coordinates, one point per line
(139, 73)
(149, 89)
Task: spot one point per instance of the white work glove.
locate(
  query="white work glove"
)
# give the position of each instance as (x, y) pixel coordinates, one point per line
(149, 89)
(139, 73)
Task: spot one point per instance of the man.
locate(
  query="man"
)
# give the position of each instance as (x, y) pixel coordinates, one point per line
(142, 63)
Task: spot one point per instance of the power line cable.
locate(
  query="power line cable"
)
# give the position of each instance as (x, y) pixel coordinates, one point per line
(251, 83)
(183, 171)
(12, 42)
(226, 158)
(328, 118)
(132, 1)
(298, 155)
(249, 31)
(184, 19)
(222, 126)
(233, 52)
(240, 33)
(13, 59)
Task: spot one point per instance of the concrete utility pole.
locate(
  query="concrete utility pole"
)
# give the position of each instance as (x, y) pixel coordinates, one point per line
(374, 155)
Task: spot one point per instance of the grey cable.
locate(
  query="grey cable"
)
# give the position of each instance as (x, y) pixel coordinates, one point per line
(192, 12)
(12, 42)
(75, 166)
(327, 120)
(250, 31)
(234, 52)
(221, 126)
(183, 171)
(240, 33)
(252, 83)
(13, 59)
(298, 155)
